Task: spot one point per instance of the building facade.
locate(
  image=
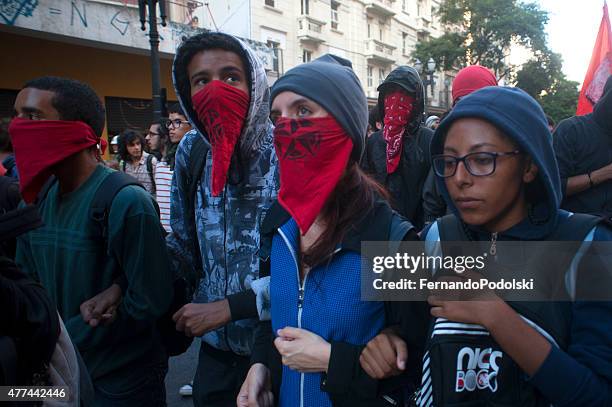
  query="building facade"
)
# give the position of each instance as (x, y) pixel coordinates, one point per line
(99, 42)
(375, 35)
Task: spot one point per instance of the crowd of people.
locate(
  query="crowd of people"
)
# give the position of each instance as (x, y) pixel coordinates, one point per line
(239, 219)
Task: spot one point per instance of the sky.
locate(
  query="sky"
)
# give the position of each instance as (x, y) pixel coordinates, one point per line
(572, 29)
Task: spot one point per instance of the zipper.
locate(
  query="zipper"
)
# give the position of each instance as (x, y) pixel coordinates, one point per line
(493, 249)
(300, 303)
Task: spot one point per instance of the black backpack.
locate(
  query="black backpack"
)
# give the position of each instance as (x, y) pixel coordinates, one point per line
(466, 366)
(174, 342)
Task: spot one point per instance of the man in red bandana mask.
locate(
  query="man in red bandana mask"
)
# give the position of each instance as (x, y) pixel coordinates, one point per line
(225, 179)
(398, 155)
(57, 133)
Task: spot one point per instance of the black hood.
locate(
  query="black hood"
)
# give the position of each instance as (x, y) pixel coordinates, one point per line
(408, 79)
(602, 112)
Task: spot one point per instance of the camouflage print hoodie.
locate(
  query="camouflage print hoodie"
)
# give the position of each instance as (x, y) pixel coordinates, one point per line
(227, 226)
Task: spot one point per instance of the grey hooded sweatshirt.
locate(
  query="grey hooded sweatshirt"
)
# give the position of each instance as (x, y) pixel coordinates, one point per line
(227, 226)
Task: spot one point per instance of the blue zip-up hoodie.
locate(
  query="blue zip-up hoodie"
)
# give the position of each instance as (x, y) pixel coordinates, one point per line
(580, 375)
(327, 303)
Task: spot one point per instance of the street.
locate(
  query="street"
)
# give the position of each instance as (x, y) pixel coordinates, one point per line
(180, 372)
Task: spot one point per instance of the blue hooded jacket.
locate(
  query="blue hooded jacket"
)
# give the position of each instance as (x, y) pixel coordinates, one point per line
(580, 375)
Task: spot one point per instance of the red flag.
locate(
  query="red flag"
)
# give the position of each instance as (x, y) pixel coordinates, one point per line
(600, 67)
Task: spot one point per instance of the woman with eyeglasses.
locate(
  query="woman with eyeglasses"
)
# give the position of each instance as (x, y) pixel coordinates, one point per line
(496, 169)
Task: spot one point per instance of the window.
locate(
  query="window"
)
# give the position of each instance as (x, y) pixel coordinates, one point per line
(334, 15)
(404, 44)
(380, 33)
(370, 79)
(419, 8)
(306, 56)
(305, 7)
(369, 30)
(275, 56)
(404, 6)
(381, 75)
(270, 3)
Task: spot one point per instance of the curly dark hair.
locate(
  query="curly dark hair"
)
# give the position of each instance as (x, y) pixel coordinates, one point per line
(126, 138)
(73, 100)
(189, 48)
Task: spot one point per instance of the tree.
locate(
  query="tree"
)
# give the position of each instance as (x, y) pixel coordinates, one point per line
(543, 79)
(562, 101)
(482, 32)
(540, 74)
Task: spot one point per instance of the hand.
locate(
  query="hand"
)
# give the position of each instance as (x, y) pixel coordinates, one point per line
(256, 390)
(102, 308)
(197, 319)
(468, 306)
(384, 356)
(303, 350)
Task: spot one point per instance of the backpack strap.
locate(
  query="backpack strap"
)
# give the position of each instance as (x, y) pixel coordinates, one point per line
(149, 164)
(103, 200)
(197, 160)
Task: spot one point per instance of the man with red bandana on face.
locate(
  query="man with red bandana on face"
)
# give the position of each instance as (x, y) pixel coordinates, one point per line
(398, 155)
(56, 132)
(222, 87)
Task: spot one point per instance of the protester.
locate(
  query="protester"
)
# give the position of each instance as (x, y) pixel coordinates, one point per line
(398, 155)
(135, 161)
(374, 121)
(222, 87)
(468, 80)
(158, 140)
(114, 153)
(76, 255)
(432, 122)
(582, 147)
(177, 123)
(312, 236)
(496, 168)
(7, 159)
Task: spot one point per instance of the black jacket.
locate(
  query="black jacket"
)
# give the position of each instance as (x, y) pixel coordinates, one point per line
(346, 382)
(584, 144)
(29, 321)
(406, 183)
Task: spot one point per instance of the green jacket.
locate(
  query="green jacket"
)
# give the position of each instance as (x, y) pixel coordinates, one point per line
(74, 266)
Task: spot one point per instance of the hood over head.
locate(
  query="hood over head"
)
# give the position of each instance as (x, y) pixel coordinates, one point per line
(470, 79)
(331, 82)
(408, 79)
(522, 119)
(602, 111)
(257, 126)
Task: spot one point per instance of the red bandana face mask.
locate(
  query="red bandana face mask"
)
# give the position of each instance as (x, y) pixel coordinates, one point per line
(40, 144)
(312, 155)
(221, 109)
(398, 112)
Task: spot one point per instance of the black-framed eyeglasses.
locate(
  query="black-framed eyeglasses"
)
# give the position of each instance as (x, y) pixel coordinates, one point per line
(478, 164)
(175, 124)
(152, 133)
